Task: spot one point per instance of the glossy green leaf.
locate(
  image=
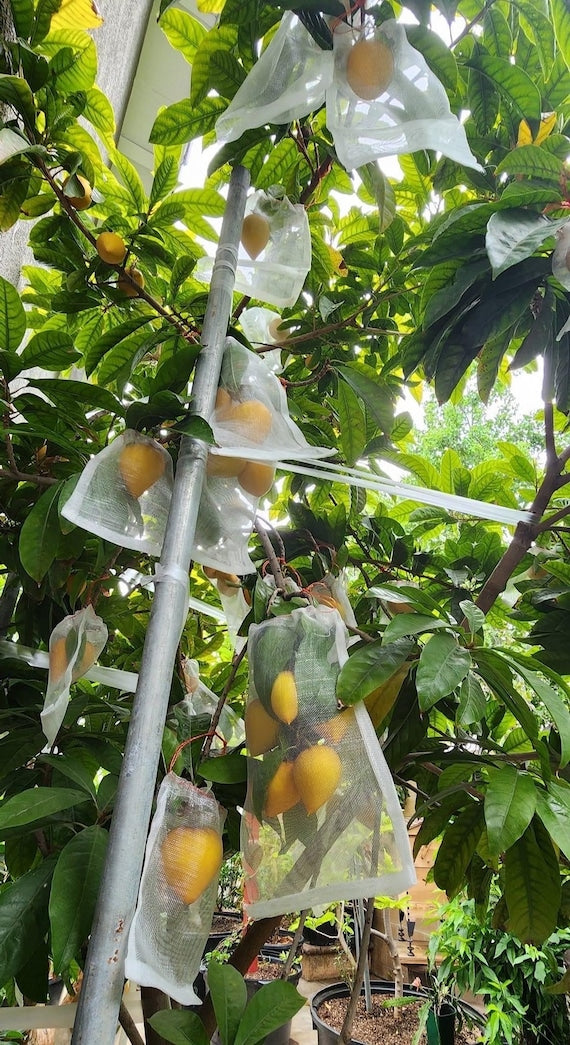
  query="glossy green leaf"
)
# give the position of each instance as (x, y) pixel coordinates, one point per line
(12, 317)
(184, 32)
(352, 423)
(533, 161)
(510, 802)
(39, 535)
(182, 121)
(553, 808)
(557, 708)
(412, 624)
(74, 890)
(131, 180)
(473, 615)
(369, 389)
(512, 82)
(437, 55)
(23, 917)
(180, 1028)
(270, 1008)
(99, 111)
(370, 667)
(15, 92)
(514, 235)
(457, 847)
(381, 192)
(442, 667)
(561, 21)
(50, 349)
(229, 997)
(472, 701)
(11, 144)
(36, 804)
(532, 885)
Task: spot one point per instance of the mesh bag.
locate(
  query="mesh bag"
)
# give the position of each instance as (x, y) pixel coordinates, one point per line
(274, 255)
(561, 257)
(225, 522)
(331, 591)
(262, 326)
(74, 645)
(395, 104)
(201, 701)
(288, 81)
(322, 822)
(251, 418)
(124, 493)
(235, 604)
(178, 889)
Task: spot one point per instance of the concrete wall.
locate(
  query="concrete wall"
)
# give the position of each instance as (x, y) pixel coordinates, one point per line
(119, 41)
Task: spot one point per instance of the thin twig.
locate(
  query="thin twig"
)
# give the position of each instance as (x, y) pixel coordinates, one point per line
(358, 631)
(294, 946)
(548, 523)
(26, 477)
(129, 1026)
(237, 659)
(269, 550)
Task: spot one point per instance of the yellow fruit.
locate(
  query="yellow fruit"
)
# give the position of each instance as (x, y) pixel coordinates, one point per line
(335, 728)
(110, 248)
(255, 234)
(276, 332)
(224, 467)
(284, 699)
(281, 794)
(80, 202)
(316, 772)
(228, 584)
(140, 466)
(370, 68)
(254, 417)
(224, 402)
(257, 478)
(126, 286)
(261, 731)
(86, 661)
(191, 858)
(57, 659)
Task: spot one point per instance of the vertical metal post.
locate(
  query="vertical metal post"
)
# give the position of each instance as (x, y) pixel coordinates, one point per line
(99, 1001)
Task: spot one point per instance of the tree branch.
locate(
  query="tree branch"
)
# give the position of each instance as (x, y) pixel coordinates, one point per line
(129, 1026)
(274, 564)
(237, 659)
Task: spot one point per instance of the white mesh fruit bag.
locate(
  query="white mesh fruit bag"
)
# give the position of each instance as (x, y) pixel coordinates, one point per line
(178, 889)
(124, 492)
(236, 603)
(200, 700)
(561, 257)
(384, 100)
(225, 520)
(322, 820)
(74, 646)
(288, 81)
(251, 419)
(262, 326)
(274, 254)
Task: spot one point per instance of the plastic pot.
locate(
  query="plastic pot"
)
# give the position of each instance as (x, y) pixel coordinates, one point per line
(440, 1028)
(326, 935)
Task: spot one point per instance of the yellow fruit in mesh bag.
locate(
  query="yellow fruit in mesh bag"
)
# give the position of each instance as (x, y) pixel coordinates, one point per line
(58, 659)
(257, 478)
(141, 465)
(316, 772)
(224, 402)
(261, 731)
(254, 417)
(276, 331)
(255, 233)
(191, 858)
(335, 728)
(86, 660)
(228, 583)
(369, 68)
(281, 794)
(284, 699)
(221, 467)
(111, 248)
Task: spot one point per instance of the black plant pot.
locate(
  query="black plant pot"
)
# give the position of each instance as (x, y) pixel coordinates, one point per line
(326, 1035)
(282, 1034)
(440, 1027)
(326, 935)
(216, 938)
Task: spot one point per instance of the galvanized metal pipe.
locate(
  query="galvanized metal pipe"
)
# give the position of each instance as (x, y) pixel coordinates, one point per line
(100, 997)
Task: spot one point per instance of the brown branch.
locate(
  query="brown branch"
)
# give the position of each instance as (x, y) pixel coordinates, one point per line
(363, 634)
(547, 523)
(237, 659)
(274, 564)
(465, 32)
(25, 477)
(317, 177)
(152, 1001)
(129, 1026)
(346, 1031)
(549, 435)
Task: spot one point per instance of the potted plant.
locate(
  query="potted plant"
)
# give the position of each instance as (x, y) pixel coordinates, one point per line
(239, 1018)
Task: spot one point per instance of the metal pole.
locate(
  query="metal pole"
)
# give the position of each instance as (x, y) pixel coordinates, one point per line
(100, 996)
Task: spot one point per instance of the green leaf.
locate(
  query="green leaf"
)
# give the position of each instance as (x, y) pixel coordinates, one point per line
(23, 15)
(532, 886)
(229, 997)
(532, 160)
(442, 667)
(180, 1028)
(12, 144)
(40, 534)
(74, 890)
(23, 917)
(131, 179)
(164, 180)
(512, 82)
(101, 345)
(556, 707)
(472, 702)
(553, 808)
(270, 1008)
(12, 317)
(74, 61)
(373, 393)
(369, 668)
(381, 192)
(225, 769)
(352, 423)
(436, 53)
(457, 847)
(183, 121)
(50, 349)
(514, 235)
(510, 803)
(99, 111)
(36, 804)
(473, 615)
(561, 20)
(412, 624)
(15, 92)
(183, 31)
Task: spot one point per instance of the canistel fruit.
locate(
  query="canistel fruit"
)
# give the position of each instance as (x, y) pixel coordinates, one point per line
(284, 699)
(228, 583)
(191, 858)
(369, 68)
(335, 728)
(255, 234)
(253, 416)
(257, 478)
(281, 794)
(276, 331)
(261, 731)
(140, 466)
(316, 772)
(58, 659)
(222, 467)
(126, 286)
(80, 202)
(110, 248)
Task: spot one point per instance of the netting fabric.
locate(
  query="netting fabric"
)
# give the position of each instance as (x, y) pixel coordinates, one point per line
(262, 326)
(274, 255)
(124, 493)
(178, 889)
(384, 100)
(236, 604)
(322, 820)
(74, 646)
(201, 701)
(288, 81)
(225, 522)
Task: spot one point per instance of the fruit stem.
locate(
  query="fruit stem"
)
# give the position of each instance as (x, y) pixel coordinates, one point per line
(274, 562)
